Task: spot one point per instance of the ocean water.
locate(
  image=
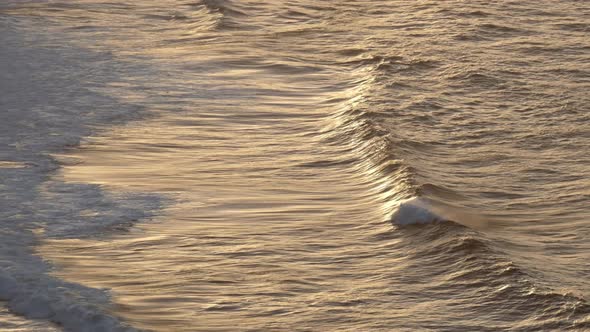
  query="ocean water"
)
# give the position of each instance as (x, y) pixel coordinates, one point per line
(304, 165)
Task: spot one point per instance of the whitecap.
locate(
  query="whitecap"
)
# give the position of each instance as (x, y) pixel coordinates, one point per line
(415, 210)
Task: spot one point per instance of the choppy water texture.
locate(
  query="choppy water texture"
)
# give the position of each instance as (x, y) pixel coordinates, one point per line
(295, 165)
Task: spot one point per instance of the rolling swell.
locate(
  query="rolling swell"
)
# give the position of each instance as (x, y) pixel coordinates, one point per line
(450, 258)
(441, 237)
(380, 150)
(396, 122)
(438, 224)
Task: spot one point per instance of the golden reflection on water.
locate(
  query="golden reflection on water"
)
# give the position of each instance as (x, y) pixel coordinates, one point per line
(283, 142)
(250, 218)
(12, 164)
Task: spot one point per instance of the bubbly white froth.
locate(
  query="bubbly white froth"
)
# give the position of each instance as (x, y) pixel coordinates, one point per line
(415, 211)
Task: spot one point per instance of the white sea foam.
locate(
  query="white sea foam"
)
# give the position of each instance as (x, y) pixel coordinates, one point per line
(37, 119)
(74, 307)
(415, 210)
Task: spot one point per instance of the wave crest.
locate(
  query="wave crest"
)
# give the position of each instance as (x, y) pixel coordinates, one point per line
(416, 211)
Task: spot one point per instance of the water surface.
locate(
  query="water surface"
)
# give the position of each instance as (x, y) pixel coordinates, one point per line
(297, 165)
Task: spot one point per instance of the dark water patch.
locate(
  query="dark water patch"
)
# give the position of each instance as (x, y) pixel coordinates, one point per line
(300, 16)
(543, 49)
(477, 78)
(407, 66)
(504, 29)
(291, 68)
(577, 27)
(351, 52)
(438, 191)
(327, 163)
(470, 36)
(170, 17)
(473, 13)
(502, 195)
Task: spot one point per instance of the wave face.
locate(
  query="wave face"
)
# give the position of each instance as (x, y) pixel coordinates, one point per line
(307, 165)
